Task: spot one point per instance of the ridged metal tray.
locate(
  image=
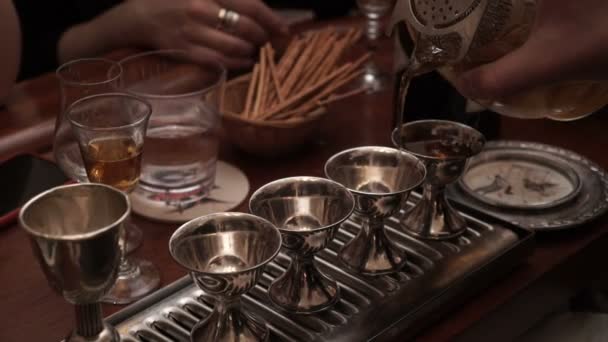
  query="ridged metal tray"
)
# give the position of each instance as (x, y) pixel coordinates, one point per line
(438, 276)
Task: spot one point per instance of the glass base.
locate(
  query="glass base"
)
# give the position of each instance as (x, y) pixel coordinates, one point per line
(136, 279)
(180, 198)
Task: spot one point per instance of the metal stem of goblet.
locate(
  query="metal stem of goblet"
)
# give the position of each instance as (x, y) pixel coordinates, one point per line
(228, 320)
(90, 326)
(89, 321)
(303, 277)
(371, 252)
(433, 217)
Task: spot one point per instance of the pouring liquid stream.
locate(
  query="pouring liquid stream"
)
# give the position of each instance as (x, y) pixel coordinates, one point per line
(420, 62)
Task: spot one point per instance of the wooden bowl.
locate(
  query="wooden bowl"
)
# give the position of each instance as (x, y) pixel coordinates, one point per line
(263, 138)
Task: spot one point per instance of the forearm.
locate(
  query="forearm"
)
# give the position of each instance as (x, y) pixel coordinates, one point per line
(10, 54)
(104, 33)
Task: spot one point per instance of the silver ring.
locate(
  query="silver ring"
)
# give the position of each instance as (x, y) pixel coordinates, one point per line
(228, 19)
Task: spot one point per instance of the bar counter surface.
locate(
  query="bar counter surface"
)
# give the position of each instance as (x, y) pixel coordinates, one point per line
(30, 311)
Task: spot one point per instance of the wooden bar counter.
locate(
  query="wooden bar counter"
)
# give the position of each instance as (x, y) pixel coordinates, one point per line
(30, 311)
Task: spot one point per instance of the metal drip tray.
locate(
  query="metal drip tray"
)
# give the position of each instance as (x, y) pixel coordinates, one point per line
(438, 276)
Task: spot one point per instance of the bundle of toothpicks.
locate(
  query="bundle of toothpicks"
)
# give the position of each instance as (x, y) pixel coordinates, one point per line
(306, 77)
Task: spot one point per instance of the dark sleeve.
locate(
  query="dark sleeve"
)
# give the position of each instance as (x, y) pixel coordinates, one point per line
(322, 8)
(43, 22)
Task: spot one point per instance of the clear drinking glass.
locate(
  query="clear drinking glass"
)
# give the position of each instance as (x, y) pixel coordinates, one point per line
(77, 79)
(374, 11)
(182, 140)
(110, 129)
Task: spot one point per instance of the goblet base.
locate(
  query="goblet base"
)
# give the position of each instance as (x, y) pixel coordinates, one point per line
(303, 289)
(227, 323)
(108, 334)
(434, 220)
(371, 252)
(135, 280)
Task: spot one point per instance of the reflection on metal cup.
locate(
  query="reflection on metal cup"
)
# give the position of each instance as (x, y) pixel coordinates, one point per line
(380, 178)
(74, 231)
(308, 211)
(444, 147)
(226, 254)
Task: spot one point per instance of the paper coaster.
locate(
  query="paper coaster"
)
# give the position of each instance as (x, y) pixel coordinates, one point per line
(231, 188)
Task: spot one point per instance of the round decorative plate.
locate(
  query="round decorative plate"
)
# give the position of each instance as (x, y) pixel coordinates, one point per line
(231, 188)
(532, 185)
(522, 180)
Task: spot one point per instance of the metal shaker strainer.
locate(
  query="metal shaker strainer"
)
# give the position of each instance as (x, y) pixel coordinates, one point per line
(456, 26)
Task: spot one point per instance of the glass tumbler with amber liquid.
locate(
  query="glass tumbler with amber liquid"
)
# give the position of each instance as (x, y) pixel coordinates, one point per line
(110, 130)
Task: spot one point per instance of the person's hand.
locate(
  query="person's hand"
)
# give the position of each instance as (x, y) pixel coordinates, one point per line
(569, 41)
(190, 25)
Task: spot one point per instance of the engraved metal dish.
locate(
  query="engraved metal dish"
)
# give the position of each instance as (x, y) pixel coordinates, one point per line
(439, 276)
(521, 180)
(583, 197)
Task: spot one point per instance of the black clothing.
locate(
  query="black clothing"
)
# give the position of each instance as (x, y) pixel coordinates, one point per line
(42, 24)
(44, 21)
(323, 8)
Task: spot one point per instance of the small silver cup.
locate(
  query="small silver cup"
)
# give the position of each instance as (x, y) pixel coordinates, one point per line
(226, 254)
(308, 211)
(380, 178)
(444, 147)
(74, 231)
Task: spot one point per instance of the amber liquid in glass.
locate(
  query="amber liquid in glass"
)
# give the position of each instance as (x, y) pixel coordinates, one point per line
(437, 148)
(114, 161)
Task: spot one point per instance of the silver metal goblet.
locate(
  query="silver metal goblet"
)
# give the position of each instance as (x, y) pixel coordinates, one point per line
(380, 178)
(74, 232)
(444, 147)
(226, 254)
(308, 211)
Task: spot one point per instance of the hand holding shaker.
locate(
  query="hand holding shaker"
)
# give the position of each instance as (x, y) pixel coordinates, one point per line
(454, 36)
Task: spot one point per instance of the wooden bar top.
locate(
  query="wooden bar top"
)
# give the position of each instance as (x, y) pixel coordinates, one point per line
(30, 311)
